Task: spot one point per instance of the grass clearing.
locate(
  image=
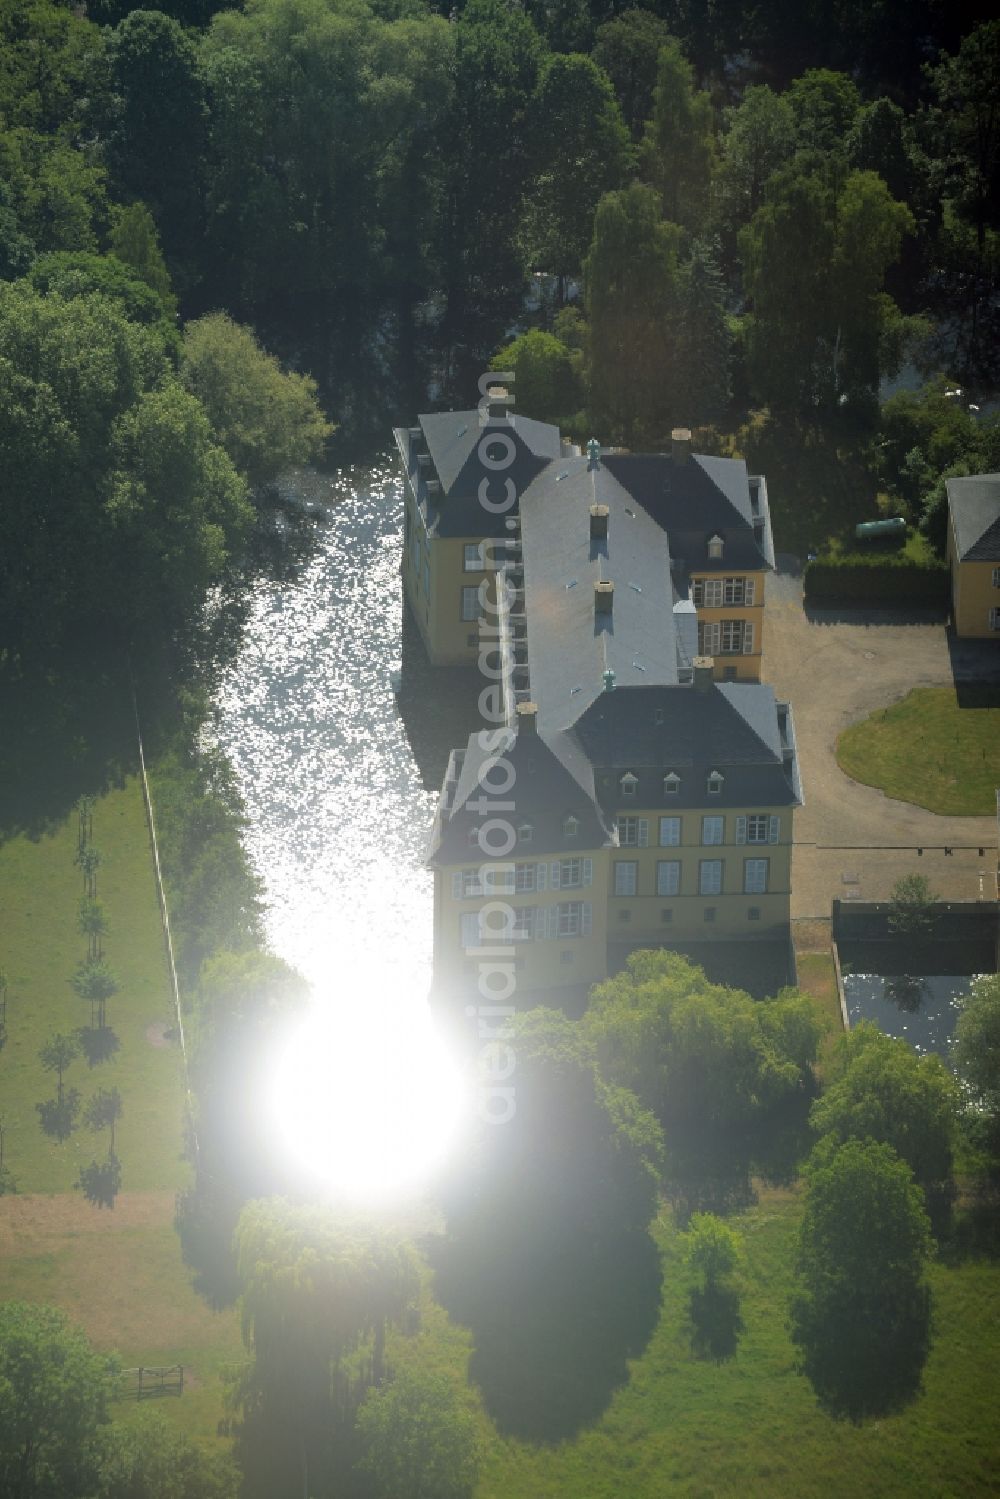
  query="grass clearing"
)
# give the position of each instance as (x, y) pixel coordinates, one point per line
(688, 1427)
(120, 1276)
(818, 978)
(40, 948)
(938, 748)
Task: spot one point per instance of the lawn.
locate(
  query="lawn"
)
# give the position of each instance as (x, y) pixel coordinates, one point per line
(685, 1426)
(817, 977)
(40, 948)
(936, 748)
(121, 1277)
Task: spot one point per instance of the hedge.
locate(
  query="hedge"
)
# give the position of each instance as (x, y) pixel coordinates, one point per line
(877, 583)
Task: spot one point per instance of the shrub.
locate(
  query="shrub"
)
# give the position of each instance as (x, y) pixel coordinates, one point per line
(877, 582)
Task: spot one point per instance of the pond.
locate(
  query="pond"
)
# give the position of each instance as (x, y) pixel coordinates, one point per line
(922, 1009)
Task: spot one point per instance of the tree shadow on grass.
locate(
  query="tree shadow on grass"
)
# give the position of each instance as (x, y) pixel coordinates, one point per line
(101, 1181)
(205, 1223)
(716, 1323)
(57, 1116)
(553, 1325)
(98, 1043)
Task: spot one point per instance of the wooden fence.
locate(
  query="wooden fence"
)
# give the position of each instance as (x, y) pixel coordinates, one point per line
(147, 1383)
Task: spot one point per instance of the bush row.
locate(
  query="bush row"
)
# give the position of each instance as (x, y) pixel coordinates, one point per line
(877, 582)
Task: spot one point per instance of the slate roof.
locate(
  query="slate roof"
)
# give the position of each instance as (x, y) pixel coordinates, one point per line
(975, 508)
(570, 646)
(693, 501)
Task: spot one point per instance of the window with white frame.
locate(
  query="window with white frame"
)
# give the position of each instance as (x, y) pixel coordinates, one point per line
(709, 637)
(668, 876)
(996, 577)
(755, 876)
(670, 832)
(757, 829)
(571, 826)
(628, 783)
(715, 546)
(735, 590)
(995, 619)
(714, 783)
(671, 783)
(525, 877)
(570, 874)
(523, 928)
(708, 593)
(470, 602)
(710, 877)
(633, 832)
(569, 920)
(626, 876)
(470, 883)
(472, 561)
(713, 830)
(732, 637)
(525, 832)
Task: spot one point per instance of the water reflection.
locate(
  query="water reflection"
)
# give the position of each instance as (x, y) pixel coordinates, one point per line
(922, 1009)
(339, 808)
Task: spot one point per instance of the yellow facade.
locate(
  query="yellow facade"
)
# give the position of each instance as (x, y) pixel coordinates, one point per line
(975, 594)
(554, 956)
(731, 631)
(435, 572)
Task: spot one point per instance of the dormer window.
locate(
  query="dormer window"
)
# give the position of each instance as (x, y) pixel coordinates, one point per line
(474, 836)
(715, 545)
(671, 783)
(628, 784)
(571, 826)
(525, 832)
(715, 782)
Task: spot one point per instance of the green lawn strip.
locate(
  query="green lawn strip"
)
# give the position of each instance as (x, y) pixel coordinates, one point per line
(120, 1276)
(40, 948)
(817, 978)
(683, 1426)
(930, 750)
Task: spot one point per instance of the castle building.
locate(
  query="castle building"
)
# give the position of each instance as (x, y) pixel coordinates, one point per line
(634, 783)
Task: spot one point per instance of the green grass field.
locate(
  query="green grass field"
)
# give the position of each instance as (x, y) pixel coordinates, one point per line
(931, 749)
(683, 1426)
(40, 948)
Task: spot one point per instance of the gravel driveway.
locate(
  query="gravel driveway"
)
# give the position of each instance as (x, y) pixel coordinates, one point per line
(836, 667)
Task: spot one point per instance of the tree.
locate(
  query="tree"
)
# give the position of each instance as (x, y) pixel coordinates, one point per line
(580, 150)
(887, 1093)
(545, 384)
(631, 277)
(967, 92)
(58, 1115)
(704, 340)
(103, 1111)
(133, 240)
(911, 906)
(861, 1319)
(56, 1055)
(418, 1440)
(627, 48)
(58, 194)
(713, 1255)
(977, 1042)
(678, 151)
(80, 274)
(824, 105)
(315, 1290)
(94, 925)
(265, 419)
(54, 1391)
(148, 1459)
(101, 1181)
(695, 1053)
(759, 139)
(95, 983)
(814, 261)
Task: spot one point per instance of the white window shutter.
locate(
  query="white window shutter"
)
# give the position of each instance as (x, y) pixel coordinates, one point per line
(552, 922)
(541, 871)
(748, 639)
(588, 871)
(643, 832)
(741, 830)
(773, 829)
(748, 595)
(456, 886)
(554, 876)
(585, 918)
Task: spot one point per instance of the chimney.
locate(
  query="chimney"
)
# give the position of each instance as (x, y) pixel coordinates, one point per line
(499, 402)
(604, 597)
(527, 718)
(680, 444)
(704, 666)
(593, 453)
(598, 522)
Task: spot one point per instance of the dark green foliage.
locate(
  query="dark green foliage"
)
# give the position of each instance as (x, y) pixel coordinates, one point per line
(627, 48)
(54, 1392)
(824, 106)
(977, 1044)
(868, 581)
(418, 1440)
(862, 1318)
(713, 1255)
(149, 1459)
(911, 906)
(704, 341)
(884, 1091)
(678, 149)
(546, 384)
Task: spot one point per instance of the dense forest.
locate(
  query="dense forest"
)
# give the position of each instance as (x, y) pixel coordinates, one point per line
(652, 215)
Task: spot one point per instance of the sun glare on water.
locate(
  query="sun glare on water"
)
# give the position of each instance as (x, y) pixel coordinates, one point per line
(368, 1103)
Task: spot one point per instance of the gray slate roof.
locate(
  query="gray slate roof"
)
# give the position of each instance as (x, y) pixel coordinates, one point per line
(975, 507)
(692, 501)
(453, 442)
